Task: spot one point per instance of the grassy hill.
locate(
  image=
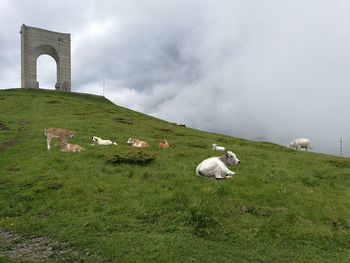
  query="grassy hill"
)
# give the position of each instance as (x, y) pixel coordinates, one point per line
(94, 206)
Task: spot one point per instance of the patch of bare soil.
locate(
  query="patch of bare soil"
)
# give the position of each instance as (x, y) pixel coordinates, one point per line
(7, 144)
(3, 127)
(13, 141)
(31, 248)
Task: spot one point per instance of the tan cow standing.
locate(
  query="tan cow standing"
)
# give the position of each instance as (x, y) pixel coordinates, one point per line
(59, 133)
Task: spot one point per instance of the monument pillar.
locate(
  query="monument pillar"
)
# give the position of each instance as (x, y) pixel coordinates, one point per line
(36, 42)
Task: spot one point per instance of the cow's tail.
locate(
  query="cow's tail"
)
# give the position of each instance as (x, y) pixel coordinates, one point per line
(198, 171)
(45, 132)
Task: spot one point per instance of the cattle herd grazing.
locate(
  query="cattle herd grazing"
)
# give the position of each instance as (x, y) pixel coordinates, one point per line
(215, 167)
(63, 135)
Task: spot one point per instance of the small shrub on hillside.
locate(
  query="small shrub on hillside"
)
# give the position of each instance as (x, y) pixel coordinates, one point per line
(125, 120)
(166, 130)
(53, 101)
(135, 158)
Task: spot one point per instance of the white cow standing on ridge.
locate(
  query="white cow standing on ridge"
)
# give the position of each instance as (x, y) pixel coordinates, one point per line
(297, 144)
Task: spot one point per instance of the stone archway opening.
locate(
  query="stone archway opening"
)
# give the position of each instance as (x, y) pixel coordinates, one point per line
(46, 72)
(36, 42)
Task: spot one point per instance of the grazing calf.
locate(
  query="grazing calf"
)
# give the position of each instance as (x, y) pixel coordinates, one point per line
(218, 166)
(99, 141)
(67, 147)
(297, 144)
(59, 133)
(164, 144)
(137, 143)
(217, 147)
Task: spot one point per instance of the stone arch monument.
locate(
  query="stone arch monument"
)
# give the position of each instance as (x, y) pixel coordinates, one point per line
(36, 42)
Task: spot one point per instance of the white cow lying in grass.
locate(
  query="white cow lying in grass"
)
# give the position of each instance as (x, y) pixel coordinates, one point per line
(297, 144)
(99, 141)
(218, 166)
(217, 147)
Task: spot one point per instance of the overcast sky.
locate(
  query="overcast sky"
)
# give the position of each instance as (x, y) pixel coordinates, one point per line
(263, 70)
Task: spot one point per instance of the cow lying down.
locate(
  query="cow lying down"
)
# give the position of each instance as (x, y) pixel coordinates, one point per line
(218, 148)
(68, 147)
(137, 143)
(99, 141)
(218, 166)
(163, 144)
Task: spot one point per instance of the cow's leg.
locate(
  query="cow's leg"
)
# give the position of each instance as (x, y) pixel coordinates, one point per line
(59, 139)
(230, 173)
(48, 140)
(218, 175)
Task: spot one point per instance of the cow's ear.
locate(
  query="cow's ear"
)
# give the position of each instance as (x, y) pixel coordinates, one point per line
(226, 154)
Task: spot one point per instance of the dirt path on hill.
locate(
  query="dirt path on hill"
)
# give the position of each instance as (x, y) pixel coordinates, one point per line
(35, 249)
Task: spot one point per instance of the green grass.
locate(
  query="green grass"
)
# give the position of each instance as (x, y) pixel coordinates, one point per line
(282, 205)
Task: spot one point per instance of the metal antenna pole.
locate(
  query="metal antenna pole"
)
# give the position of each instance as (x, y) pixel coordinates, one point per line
(103, 88)
(341, 147)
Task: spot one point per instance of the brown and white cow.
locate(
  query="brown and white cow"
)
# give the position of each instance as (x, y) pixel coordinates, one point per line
(68, 147)
(164, 144)
(137, 143)
(59, 133)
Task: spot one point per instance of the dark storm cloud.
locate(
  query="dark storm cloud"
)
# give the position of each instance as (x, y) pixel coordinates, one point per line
(265, 70)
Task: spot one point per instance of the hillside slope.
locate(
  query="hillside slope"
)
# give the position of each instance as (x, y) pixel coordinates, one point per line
(282, 205)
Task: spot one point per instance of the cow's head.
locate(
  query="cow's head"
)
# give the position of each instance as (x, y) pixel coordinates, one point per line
(70, 134)
(130, 141)
(231, 158)
(291, 145)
